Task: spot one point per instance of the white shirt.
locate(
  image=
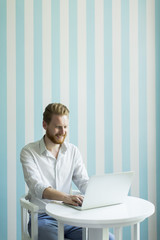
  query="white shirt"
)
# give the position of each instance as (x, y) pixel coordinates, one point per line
(41, 170)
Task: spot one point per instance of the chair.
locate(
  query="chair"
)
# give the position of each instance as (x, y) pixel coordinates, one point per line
(33, 209)
(26, 207)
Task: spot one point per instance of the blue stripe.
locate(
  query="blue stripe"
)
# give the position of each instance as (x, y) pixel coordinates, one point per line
(38, 111)
(157, 21)
(143, 166)
(73, 96)
(3, 120)
(55, 50)
(108, 88)
(91, 160)
(125, 87)
(125, 96)
(20, 106)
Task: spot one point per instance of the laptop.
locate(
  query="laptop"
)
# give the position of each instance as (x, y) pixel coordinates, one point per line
(104, 190)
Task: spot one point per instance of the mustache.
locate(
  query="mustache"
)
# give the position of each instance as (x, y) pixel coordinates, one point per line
(60, 135)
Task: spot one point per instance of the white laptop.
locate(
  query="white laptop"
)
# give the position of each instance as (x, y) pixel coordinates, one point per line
(108, 189)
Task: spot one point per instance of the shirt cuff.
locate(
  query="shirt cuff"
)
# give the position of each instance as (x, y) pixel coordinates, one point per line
(39, 189)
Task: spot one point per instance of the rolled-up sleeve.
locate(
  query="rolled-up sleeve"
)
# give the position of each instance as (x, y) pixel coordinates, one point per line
(80, 176)
(32, 175)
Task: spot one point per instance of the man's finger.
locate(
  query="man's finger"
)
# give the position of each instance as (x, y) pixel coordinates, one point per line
(77, 200)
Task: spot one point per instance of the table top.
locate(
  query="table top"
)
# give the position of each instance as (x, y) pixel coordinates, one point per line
(134, 210)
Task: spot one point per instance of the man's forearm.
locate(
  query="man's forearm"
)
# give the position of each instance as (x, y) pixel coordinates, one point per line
(53, 194)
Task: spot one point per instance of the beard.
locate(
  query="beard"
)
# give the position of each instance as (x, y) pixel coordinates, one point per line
(54, 139)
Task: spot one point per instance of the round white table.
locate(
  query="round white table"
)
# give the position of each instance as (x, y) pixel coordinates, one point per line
(99, 220)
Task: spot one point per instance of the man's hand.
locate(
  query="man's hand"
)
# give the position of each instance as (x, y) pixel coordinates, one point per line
(75, 200)
(53, 194)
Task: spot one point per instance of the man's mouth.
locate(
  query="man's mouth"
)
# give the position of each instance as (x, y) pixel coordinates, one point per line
(60, 136)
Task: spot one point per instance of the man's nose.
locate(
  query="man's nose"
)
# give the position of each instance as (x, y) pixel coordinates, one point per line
(62, 131)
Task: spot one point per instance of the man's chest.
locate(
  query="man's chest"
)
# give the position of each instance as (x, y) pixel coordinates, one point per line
(53, 168)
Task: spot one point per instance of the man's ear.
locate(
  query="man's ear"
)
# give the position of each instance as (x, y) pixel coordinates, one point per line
(44, 125)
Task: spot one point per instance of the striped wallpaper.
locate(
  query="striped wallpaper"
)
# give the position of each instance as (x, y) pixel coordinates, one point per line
(102, 59)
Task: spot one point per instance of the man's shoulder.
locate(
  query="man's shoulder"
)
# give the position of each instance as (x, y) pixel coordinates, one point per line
(31, 146)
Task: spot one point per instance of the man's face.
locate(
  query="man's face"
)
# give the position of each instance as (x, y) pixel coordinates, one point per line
(57, 129)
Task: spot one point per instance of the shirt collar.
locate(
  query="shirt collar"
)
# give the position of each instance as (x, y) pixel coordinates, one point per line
(42, 145)
(43, 148)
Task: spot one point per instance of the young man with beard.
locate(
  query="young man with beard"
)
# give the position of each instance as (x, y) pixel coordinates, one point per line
(49, 166)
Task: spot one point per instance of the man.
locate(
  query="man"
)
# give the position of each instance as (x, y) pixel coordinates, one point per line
(49, 166)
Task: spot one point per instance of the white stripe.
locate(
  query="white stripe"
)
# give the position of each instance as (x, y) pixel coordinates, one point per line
(29, 71)
(82, 89)
(151, 113)
(134, 129)
(117, 122)
(46, 52)
(11, 119)
(99, 84)
(64, 52)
